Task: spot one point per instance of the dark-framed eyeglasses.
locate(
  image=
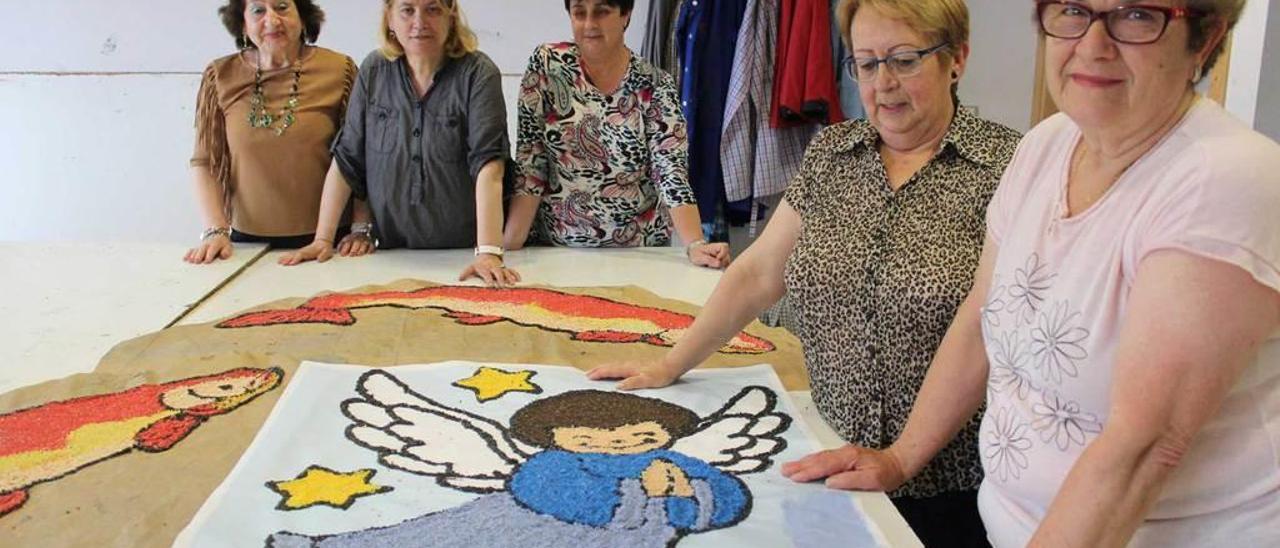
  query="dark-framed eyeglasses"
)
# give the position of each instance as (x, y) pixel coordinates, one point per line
(1127, 24)
(901, 64)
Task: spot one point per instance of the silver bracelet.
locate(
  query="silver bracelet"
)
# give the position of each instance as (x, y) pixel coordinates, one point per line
(696, 243)
(215, 231)
(495, 250)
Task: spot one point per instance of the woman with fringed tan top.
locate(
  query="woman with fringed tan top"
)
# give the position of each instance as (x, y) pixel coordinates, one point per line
(265, 118)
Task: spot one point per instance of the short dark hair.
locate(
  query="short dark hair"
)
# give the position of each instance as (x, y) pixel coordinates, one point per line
(1216, 12)
(232, 15)
(624, 6)
(535, 423)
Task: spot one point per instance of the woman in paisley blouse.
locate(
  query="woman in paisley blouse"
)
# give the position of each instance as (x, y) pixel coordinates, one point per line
(601, 146)
(875, 244)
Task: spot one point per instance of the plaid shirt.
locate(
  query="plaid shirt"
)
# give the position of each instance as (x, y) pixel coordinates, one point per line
(758, 161)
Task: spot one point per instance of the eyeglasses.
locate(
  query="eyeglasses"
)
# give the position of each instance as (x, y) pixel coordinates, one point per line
(901, 64)
(1129, 24)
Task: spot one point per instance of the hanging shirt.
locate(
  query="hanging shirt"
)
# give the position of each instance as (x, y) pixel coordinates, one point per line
(850, 102)
(659, 24)
(804, 89)
(600, 162)
(706, 63)
(758, 161)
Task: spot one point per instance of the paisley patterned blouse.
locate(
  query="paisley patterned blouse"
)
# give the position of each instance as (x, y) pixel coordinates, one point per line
(600, 162)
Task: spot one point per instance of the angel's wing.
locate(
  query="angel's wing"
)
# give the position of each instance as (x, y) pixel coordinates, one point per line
(414, 433)
(743, 436)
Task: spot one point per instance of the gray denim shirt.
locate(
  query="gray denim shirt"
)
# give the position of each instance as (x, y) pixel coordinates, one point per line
(416, 160)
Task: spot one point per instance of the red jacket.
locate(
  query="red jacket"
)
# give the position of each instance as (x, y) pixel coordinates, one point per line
(804, 84)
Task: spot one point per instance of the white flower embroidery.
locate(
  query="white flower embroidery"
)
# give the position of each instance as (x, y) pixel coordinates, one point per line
(1005, 446)
(1062, 422)
(1056, 344)
(1008, 365)
(1027, 293)
(995, 305)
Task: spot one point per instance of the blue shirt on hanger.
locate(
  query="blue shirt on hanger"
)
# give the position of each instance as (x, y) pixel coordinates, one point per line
(707, 64)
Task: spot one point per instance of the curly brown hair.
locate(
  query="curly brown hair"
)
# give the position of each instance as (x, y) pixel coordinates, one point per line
(535, 423)
(232, 15)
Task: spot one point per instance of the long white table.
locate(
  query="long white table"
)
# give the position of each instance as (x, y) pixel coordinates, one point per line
(664, 271)
(65, 305)
(68, 304)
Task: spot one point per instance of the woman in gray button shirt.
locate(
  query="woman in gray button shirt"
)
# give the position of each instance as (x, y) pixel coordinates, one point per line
(424, 142)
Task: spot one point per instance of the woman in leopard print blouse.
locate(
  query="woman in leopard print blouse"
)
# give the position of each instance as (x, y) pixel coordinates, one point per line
(875, 246)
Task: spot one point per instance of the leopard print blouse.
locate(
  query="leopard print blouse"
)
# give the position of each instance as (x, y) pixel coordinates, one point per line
(877, 276)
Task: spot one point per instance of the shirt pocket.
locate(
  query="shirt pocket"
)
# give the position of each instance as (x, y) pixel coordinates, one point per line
(383, 129)
(446, 138)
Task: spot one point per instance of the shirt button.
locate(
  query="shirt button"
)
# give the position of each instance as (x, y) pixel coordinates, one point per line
(416, 132)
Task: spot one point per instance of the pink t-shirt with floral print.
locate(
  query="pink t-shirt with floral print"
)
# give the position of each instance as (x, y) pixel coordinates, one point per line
(1058, 300)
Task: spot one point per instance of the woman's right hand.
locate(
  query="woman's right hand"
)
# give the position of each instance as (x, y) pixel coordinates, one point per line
(637, 375)
(210, 249)
(317, 250)
(356, 244)
(850, 468)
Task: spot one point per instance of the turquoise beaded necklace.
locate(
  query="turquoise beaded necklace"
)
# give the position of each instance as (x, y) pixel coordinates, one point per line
(258, 115)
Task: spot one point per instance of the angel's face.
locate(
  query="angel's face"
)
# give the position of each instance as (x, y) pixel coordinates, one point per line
(629, 439)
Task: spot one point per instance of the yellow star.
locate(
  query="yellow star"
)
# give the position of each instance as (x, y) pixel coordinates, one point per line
(320, 485)
(489, 383)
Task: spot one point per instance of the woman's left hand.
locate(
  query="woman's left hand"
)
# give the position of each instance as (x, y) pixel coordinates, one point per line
(710, 255)
(490, 269)
(356, 244)
(851, 468)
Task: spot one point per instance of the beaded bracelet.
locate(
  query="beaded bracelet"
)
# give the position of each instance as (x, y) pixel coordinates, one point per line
(215, 231)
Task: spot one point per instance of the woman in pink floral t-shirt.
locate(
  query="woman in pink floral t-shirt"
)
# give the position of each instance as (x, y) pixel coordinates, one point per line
(1124, 325)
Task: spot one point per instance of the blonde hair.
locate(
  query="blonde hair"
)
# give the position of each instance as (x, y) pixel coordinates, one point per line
(1216, 11)
(461, 41)
(938, 20)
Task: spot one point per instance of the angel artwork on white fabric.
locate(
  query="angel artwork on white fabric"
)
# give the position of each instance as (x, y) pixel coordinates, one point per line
(585, 468)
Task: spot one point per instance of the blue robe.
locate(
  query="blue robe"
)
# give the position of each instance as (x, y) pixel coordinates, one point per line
(587, 488)
(556, 498)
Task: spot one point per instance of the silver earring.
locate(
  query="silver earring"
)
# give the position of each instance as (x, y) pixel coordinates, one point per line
(1198, 76)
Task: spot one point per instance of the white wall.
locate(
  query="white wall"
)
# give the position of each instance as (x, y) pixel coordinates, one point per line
(1267, 112)
(1002, 65)
(96, 99)
(1247, 49)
